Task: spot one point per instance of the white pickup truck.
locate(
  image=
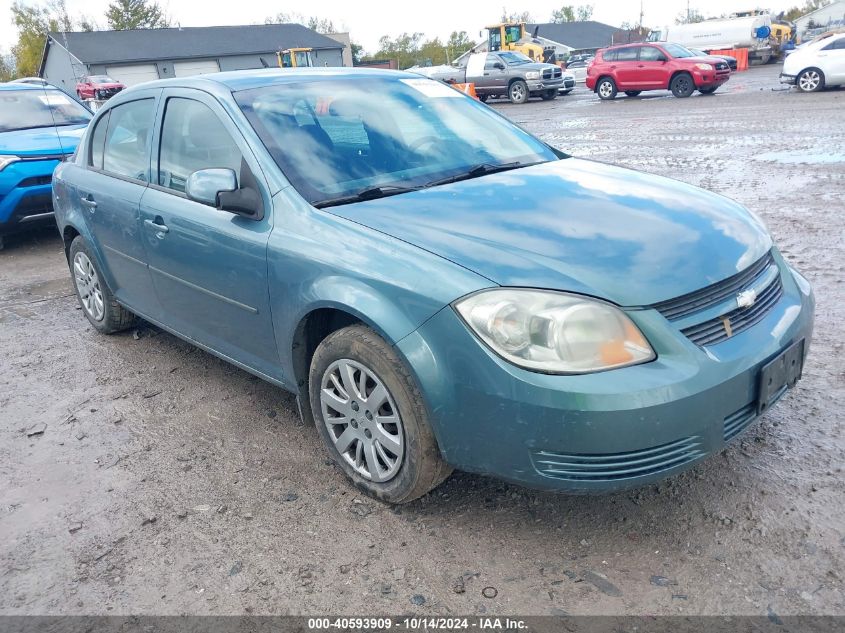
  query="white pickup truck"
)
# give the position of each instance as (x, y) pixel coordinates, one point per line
(505, 73)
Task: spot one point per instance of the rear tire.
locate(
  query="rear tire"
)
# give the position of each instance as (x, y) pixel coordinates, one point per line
(408, 464)
(682, 86)
(549, 95)
(633, 93)
(518, 92)
(810, 80)
(606, 89)
(96, 299)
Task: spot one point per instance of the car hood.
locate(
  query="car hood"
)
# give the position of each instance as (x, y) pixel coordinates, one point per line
(628, 237)
(42, 140)
(531, 66)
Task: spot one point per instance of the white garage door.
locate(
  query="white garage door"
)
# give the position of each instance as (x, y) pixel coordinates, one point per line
(132, 75)
(186, 69)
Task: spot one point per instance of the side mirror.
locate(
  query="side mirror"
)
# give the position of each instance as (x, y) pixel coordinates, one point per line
(499, 65)
(206, 185)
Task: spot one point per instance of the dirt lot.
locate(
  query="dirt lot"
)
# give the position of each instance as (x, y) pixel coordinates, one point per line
(168, 482)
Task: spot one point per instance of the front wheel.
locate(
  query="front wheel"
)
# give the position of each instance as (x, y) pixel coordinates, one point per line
(708, 91)
(483, 98)
(606, 89)
(518, 92)
(372, 418)
(682, 86)
(810, 80)
(98, 303)
(549, 95)
(633, 93)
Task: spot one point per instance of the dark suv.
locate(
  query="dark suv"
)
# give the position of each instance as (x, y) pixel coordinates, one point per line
(634, 68)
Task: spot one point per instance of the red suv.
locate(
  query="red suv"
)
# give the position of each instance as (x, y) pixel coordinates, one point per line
(636, 67)
(98, 87)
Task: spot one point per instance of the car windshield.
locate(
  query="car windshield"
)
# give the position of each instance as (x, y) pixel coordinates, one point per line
(514, 59)
(25, 109)
(346, 137)
(676, 50)
(102, 79)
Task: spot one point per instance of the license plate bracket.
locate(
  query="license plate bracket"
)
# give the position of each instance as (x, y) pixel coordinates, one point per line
(779, 374)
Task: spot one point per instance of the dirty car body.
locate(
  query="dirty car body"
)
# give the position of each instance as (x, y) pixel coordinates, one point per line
(566, 324)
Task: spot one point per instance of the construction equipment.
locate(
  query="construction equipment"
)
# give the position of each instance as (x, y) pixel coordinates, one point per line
(511, 36)
(295, 58)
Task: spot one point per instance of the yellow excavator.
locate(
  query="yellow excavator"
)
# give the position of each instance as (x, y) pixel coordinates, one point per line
(511, 36)
(295, 58)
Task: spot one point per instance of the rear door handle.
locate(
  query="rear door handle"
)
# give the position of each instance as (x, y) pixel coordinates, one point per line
(156, 225)
(87, 200)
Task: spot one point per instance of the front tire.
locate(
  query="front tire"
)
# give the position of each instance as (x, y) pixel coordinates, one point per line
(96, 299)
(682, 86)
(606, 89)
(371, 416)
(483, 98)
(518, 92)
(810, 80)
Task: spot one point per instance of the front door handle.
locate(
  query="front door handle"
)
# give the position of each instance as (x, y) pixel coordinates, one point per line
(88, 201)
(157, 225)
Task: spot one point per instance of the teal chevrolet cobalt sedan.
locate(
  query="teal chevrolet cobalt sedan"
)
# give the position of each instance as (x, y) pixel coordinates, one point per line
(439, 288)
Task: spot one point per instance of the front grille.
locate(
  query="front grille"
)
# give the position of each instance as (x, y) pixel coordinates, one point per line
(693, 302)
(715, 330)
(722, 66)
(738, 421)
(35, 181)
(617, 466)
(550, 73)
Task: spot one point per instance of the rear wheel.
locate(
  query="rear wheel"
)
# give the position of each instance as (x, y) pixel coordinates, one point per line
(98, 303)
(606, 89)
(682, 86)
(518, 92)
(708, 91)
(370, 414)
(633, 93)
(549, 95)
(810, 80)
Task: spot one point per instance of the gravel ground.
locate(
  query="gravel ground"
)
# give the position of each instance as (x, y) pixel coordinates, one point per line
(141, 475)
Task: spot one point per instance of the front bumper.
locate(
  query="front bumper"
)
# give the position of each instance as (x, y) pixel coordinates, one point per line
(568, 83)
(605, 431)
(26, 194)
(787, 79)
(544, 84)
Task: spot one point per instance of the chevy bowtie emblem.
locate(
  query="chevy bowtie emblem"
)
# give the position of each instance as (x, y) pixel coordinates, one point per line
(746, 298)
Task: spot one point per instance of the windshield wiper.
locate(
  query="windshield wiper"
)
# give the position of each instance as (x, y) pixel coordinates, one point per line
(371, 193)
(477, 171)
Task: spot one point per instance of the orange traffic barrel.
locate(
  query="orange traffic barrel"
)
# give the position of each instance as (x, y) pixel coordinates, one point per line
(741, 55)
(467, 89)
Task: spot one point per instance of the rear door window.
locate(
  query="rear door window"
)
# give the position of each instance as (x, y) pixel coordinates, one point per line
(651, 54)
(609, 56)
(98, 141)
(627, 54)
(127, 139)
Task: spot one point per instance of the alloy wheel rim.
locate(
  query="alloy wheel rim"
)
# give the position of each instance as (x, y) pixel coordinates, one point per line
(88, 286)
(517, 91)
(809, 80)
(605, 89)
(362, 420)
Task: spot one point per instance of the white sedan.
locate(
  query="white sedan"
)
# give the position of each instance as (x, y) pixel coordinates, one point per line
(819, 64)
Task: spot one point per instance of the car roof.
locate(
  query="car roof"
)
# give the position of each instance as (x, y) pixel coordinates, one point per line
(238, 80)
(21, 86)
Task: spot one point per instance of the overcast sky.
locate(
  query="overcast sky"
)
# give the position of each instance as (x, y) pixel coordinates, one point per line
(367, 20)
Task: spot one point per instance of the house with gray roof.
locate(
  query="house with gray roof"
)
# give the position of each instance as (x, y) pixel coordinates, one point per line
(135, 56)
(576, 37)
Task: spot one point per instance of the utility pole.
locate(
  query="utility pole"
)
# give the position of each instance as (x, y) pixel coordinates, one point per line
(688, 15)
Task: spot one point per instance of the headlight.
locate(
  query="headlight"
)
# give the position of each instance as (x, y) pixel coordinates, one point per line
(704, 66)
(532, 74)
(554, 332)
(7, 160)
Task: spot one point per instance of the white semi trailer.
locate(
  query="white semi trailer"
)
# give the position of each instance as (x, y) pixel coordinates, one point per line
(751, 32)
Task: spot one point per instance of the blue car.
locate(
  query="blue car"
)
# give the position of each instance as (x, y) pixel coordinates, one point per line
(439, 288)
(39, 127)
